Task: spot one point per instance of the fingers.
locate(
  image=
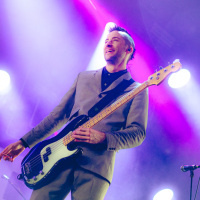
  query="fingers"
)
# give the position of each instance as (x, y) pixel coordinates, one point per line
(88, 135)
(82, 130)
(4, 154)
(1, 156)
(7, 157)
(82, 135)
(11, 151)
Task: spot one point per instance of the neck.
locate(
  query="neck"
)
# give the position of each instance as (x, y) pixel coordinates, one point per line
(112, 68)
(117, 65)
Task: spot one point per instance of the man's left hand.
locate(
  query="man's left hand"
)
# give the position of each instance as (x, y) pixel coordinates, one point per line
(88, 135)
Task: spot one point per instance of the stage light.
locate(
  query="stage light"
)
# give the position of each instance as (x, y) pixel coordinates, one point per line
(179, 79)
(188, 100)
(98, 60)
(165, 194)
(109, 25)
(92, 4)
(4, 82)
(5, 177)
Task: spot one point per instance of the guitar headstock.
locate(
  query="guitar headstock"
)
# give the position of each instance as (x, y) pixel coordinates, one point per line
(158, 77)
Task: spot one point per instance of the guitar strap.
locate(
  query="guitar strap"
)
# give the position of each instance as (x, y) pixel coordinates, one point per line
(110, 96)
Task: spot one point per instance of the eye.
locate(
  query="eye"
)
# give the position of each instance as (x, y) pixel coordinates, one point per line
(116, 40)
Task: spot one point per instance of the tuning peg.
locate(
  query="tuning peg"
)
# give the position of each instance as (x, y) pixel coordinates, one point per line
(161, 67)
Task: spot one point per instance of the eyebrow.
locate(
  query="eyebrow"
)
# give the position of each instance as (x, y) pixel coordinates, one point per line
(113, 38)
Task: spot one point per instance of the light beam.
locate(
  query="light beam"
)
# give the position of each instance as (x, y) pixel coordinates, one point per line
(4, 82)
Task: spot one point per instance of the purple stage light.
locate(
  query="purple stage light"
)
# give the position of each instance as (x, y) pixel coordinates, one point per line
(4, 82)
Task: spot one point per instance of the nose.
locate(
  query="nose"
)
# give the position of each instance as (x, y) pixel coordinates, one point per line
(109, 43)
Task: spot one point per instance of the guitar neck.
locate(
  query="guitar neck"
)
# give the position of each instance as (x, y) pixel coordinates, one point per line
(106, 112)
(114, 106)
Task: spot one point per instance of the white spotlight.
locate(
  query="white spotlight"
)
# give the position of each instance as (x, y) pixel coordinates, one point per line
(98, 60)
(4, 82)
(165, 194)
(109, 25)
(179, 79)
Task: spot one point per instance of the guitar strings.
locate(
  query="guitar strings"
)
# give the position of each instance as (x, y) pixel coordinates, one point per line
(54, 147)
(37, 159)
(63, 141)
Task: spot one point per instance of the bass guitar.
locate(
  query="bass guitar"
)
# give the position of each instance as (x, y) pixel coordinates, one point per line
(42, 162)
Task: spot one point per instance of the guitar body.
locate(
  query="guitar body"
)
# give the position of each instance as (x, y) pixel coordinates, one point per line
(43, 161)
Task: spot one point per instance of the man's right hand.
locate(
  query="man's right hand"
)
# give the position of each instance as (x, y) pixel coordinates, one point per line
(12, 151)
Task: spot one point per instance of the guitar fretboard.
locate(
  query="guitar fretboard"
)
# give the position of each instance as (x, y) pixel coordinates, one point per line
(106, 112)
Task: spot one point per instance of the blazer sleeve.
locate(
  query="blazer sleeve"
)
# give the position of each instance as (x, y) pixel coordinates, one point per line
(54, 121)
(134, 132)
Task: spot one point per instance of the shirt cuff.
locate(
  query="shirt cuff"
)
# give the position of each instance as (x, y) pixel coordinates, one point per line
(24, 143)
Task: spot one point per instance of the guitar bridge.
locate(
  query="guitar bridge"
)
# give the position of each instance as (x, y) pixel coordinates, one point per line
(27, 168)
(32, 167)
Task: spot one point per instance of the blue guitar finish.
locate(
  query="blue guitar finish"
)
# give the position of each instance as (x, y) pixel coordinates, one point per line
(43, 161)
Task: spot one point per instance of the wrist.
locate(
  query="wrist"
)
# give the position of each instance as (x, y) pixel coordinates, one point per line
(23, 143)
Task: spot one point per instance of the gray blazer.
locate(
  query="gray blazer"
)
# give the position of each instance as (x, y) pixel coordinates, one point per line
(125, 128)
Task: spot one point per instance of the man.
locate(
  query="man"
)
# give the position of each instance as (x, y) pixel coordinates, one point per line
(88, 176)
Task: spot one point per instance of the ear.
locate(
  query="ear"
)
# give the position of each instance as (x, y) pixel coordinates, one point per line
(130, 49)
(129, 52)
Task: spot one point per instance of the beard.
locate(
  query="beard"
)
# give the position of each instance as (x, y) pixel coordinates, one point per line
(112, 59)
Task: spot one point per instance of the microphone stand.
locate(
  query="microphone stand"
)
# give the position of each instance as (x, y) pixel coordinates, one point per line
(191, 180)
(191, 168)
(7, 178)
(197, 189)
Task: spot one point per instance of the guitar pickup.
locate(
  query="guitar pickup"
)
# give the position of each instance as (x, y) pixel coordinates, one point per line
(46, 155)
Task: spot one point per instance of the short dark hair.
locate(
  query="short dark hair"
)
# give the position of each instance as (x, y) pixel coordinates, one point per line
(128, 38)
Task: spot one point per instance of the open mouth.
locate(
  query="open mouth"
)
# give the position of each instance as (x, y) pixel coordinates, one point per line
(109, 51)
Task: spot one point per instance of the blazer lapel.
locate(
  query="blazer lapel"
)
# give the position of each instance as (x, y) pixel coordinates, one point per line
(97, 75)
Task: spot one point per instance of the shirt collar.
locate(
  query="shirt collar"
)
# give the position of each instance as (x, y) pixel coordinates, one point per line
(106, 72)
